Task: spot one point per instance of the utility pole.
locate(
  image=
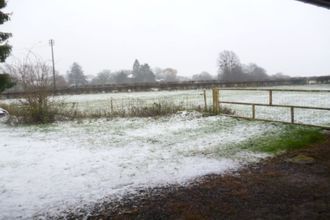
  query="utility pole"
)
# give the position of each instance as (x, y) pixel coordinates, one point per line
(52, 42)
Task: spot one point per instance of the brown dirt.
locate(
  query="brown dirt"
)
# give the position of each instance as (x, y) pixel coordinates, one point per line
(276, 188)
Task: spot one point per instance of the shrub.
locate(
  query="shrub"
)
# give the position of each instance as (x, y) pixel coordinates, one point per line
(37, 104)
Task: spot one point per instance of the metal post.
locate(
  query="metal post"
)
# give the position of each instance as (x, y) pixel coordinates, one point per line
(52, 42)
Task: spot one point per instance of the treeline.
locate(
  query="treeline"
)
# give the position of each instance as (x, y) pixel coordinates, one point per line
(140, 73)
(230, 69)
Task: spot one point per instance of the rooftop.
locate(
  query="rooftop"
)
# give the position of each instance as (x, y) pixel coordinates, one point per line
(321, 3)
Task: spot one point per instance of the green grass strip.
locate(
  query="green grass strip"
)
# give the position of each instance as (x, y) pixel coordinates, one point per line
(292, 137)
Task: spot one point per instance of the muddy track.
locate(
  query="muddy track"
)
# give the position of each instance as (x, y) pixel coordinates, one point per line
(294, 185)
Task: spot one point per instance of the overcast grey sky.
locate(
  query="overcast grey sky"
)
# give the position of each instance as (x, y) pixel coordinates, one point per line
(280, 35)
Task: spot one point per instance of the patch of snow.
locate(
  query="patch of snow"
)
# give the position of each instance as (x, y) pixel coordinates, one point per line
(49, 169)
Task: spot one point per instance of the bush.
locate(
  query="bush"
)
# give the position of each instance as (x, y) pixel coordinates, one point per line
(37, 104)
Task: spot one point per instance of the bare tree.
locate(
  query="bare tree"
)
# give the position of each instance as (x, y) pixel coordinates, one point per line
(228, 60)
(32, 76)
(35, 78)
(229, 66)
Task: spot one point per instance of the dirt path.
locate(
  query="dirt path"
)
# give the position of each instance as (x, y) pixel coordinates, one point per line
(295, 185)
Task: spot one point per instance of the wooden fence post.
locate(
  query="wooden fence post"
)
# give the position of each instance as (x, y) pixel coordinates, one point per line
(253, 111)
(205, 101)
(111, 105)
(270, 97)
(215, 95)
(292, 114)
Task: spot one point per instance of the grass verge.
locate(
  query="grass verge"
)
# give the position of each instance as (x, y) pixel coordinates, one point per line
(291, 138)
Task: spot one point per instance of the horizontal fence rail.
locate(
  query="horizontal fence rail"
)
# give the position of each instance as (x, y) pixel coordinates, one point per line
(276, 90)
(278, 105)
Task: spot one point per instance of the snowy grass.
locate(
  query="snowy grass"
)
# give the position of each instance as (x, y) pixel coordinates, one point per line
(48, 169)
(193, 99)
(106, 103)
(304, 116)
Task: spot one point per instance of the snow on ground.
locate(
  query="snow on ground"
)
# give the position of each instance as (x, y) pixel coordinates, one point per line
(51, 168)
(194, 98)
(191, 99)
(305, 116)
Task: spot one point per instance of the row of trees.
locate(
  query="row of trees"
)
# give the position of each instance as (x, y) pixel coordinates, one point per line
(140, 73)
(230, 69)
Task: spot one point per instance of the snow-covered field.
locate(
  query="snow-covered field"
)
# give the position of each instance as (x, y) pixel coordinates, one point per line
(48, 169)
(98, 102)
(305, 116)
(192, 99)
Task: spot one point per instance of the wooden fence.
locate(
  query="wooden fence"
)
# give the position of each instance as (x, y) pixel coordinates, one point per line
(218, 101)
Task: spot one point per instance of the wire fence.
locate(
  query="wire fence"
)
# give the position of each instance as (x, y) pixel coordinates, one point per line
(140, 106)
